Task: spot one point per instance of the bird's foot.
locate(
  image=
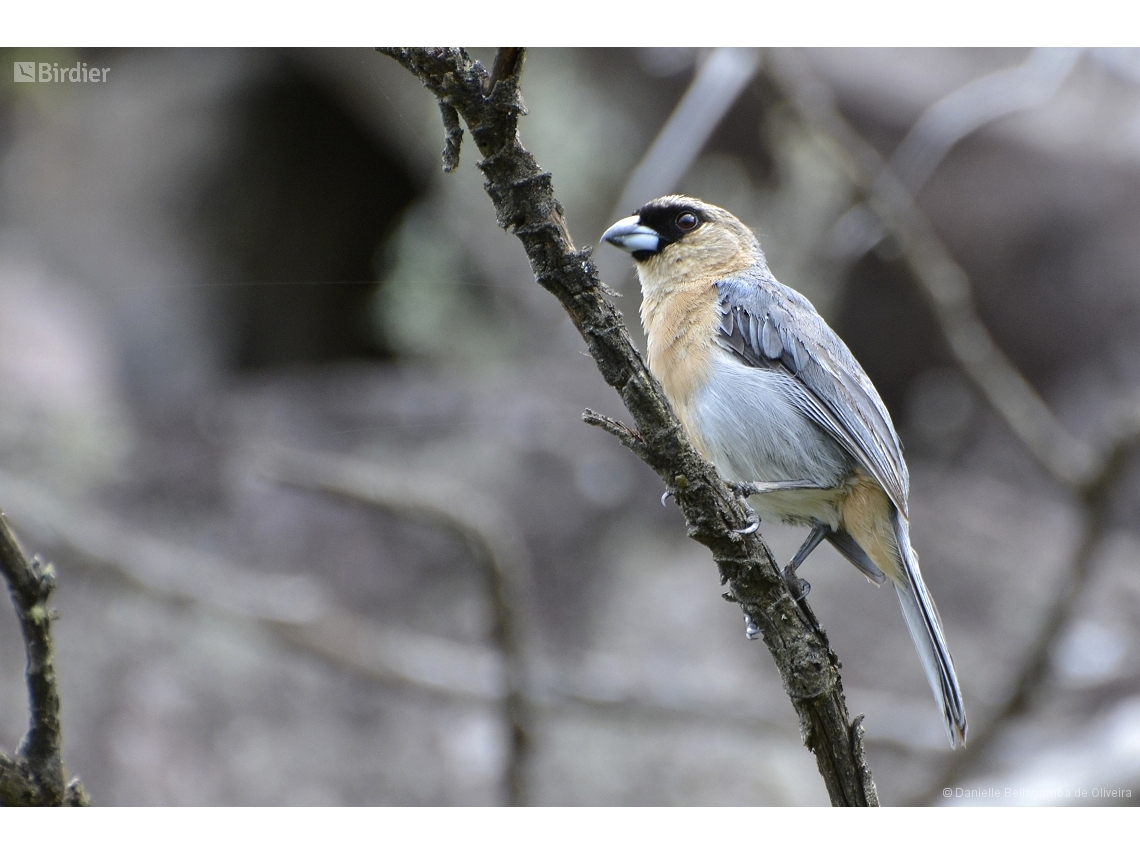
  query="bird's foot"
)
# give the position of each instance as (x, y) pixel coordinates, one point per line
(753, 523)
(797, 587)
(742, 490)
(751, 628)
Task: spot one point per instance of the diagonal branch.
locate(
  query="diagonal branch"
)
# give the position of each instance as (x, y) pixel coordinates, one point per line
(953, 117)
(523, 197)
(715, 89)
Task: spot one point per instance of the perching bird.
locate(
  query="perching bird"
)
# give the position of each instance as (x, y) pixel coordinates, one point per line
(774, 399)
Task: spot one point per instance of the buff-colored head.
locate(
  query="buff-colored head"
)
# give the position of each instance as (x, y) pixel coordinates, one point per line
(680, 242)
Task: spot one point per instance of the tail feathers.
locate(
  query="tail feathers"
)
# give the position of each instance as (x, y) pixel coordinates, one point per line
(926, 631)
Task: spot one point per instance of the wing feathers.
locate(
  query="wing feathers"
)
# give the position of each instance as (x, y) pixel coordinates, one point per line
(770, 344)
(771, 327)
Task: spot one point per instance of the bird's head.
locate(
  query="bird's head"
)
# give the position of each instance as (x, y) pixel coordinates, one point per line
(681, 241)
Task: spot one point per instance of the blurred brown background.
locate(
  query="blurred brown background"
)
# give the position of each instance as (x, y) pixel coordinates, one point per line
(275, 392)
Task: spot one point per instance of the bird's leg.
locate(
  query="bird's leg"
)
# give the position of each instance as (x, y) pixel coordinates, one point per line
(798, 587)
(744, 489)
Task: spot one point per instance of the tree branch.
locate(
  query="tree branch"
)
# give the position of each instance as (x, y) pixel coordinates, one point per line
(36, 776)
(524, 201)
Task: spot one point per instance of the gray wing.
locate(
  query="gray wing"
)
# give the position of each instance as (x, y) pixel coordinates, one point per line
(769, 326)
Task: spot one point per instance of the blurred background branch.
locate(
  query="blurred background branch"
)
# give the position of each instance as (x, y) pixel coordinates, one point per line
(717, 83)
(1096, 496)
(992, 96)
(488, 531)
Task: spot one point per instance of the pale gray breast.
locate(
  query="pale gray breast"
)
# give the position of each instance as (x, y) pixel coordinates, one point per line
(752, 428)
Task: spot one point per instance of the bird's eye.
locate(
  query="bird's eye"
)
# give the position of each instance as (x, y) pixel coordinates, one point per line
(687, 221)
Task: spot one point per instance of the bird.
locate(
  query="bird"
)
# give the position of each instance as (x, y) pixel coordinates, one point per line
(773, 398)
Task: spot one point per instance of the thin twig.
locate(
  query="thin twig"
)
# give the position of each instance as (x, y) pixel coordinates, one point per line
(36, 776)
(524, 201)
(504, 67)
(623, 433)
(453, 137)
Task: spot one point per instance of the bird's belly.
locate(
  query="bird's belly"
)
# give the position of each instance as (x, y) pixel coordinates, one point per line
(745, 423)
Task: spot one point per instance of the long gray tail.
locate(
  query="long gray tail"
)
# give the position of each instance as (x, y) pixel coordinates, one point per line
(926, 630)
